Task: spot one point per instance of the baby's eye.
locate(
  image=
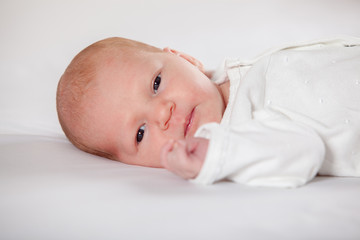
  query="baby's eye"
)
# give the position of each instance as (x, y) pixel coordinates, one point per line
(157, 82)
(140, 134)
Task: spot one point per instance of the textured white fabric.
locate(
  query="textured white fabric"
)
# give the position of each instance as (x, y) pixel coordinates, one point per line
(292, 113)
(51, 190)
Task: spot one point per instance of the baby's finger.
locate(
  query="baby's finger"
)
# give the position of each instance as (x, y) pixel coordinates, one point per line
(164, 153)
(177, 156)
(191, 144)
(180, 163)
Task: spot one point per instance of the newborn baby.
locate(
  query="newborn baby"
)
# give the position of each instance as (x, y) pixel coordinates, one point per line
(276, 121)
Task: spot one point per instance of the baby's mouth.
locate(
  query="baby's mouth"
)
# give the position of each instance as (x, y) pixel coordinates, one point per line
(188, 122)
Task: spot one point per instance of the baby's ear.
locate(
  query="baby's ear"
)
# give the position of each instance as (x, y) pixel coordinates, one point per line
(187, 57)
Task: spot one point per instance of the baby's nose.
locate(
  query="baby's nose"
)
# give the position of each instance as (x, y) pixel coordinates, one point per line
(163, 114)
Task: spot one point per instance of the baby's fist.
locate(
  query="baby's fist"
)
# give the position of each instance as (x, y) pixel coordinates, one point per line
(184, 157)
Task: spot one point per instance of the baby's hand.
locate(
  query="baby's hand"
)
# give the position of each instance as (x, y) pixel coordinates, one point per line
(184, 157)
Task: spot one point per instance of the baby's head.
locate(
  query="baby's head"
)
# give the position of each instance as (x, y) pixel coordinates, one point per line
(123, 100)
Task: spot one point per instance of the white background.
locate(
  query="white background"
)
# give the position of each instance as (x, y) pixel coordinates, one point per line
(40, 37)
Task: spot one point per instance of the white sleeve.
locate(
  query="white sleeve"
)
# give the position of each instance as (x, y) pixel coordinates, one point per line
(277, 153)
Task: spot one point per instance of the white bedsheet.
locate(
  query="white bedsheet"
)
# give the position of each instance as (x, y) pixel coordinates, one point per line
(50, 190)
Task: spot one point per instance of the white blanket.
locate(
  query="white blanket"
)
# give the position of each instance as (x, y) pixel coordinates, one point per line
(50, 190)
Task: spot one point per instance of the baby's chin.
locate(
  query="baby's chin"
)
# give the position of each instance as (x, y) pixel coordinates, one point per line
(195, 120)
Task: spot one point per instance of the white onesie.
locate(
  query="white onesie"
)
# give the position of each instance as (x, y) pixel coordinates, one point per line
(292, 113)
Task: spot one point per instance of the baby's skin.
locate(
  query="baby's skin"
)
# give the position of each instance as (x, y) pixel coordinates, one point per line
(184, 157)
(140, 105)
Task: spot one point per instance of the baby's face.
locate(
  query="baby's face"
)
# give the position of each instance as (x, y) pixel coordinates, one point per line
(145, 99)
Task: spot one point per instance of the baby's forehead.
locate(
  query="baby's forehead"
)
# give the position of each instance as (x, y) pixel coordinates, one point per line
(120, 58)
(127, 65)
(121, 69)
